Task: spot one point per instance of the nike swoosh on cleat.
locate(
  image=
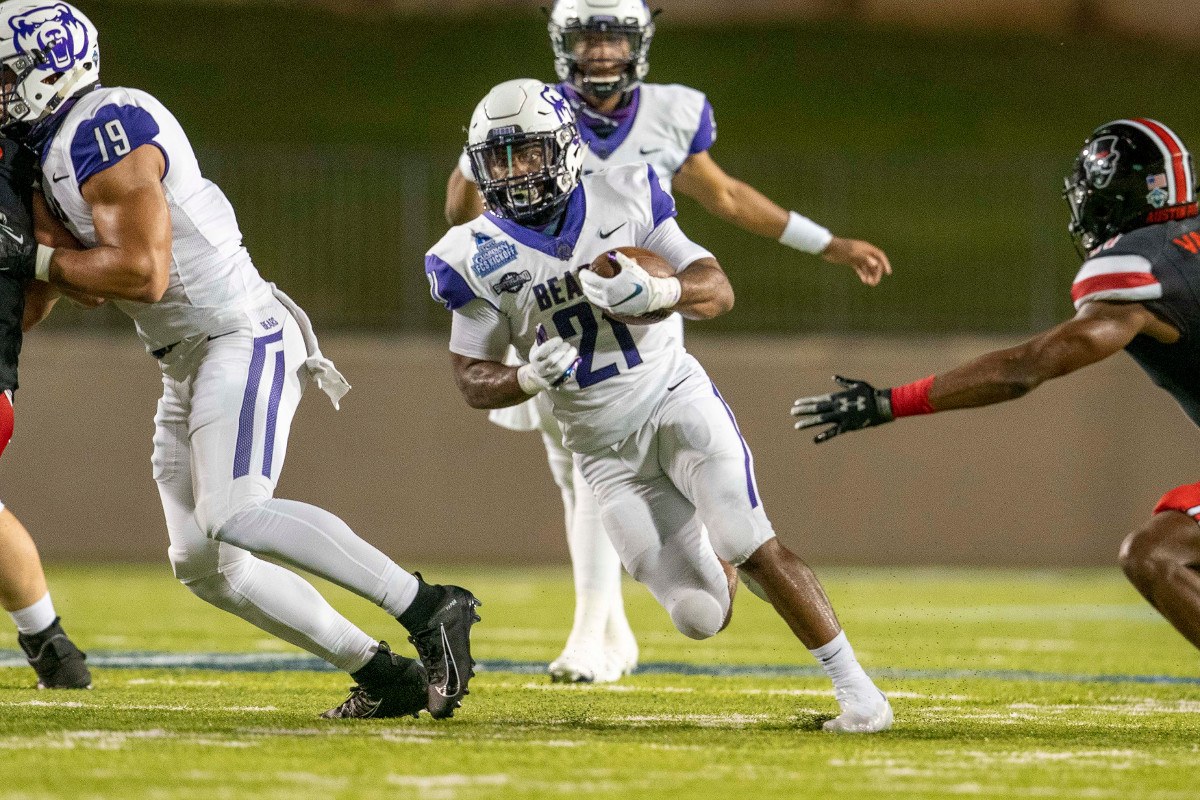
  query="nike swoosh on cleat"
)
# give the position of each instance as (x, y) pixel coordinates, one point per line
(451, 666)
(636, 292)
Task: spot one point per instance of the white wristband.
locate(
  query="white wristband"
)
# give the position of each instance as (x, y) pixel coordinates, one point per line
(41, 264)
(526, 379)
(805, 235)
(666, 293)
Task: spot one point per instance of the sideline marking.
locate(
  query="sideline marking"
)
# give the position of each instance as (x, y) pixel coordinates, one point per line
(300, 662)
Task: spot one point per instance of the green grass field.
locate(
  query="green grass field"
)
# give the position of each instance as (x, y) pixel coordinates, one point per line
(1004, 684)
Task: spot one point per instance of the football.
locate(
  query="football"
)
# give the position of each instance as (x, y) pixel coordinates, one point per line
(652, 262)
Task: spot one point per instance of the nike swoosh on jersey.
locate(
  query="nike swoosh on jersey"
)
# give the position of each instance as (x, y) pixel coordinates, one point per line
(636, 292)
(643, 151)
(605, 235)
(57, 178)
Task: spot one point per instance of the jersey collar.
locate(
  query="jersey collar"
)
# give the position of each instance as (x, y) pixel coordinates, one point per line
(604, 133)
(561, 246)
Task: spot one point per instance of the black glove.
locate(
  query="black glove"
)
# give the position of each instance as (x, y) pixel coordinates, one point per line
(860, 405)
(18, 248)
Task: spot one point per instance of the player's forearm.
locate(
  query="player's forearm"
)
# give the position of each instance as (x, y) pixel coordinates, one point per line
(704, 291)
(752, 211)
(463, 202)
(992, 378)
(40, 298)
(487, 384)
(112, 272)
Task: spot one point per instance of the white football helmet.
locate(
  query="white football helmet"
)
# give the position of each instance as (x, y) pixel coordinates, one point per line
(525, 151)
(627, 25)
(48, 52)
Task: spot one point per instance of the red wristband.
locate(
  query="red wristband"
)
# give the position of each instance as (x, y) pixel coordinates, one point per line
(912, 398)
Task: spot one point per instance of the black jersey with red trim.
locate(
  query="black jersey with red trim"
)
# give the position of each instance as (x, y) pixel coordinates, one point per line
(12, 309)
(1159, 267)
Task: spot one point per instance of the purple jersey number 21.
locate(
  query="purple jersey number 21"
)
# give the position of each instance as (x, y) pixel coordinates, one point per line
(589, 330)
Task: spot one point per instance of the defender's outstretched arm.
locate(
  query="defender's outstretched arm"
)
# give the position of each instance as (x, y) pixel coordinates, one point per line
(1095, 333)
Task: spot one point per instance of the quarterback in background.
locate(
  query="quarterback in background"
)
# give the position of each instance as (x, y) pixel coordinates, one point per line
(601, 54)
(649, 432)
(162, 243)
(1132, 198)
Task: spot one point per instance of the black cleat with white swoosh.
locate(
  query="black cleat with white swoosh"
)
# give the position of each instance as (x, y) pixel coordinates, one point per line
(443, 640)
(388, 686)
(59, 664)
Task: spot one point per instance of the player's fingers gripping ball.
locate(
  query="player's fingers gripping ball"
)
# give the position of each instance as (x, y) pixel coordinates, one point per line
(552, 362)
(633, 285)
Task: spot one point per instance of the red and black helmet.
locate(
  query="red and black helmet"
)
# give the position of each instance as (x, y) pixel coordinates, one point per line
(1130, 173)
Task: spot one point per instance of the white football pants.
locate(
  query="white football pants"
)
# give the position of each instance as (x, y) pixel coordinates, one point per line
(219, 444)
(677, 494)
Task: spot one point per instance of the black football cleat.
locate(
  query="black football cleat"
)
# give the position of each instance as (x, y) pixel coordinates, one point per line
(388, 686)
(59, 664)
(443, 640)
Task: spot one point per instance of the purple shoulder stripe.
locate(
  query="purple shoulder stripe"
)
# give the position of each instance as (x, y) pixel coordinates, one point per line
(706, 134)
(445, 285)
(662, 205)
(111, 134)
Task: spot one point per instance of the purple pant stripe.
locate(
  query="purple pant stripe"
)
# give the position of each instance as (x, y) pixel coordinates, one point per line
(245, 436)
(273, 414)
(750, 488)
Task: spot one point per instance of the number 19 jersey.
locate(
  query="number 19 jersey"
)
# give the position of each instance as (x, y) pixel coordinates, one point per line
(530, 278)
(212, 279)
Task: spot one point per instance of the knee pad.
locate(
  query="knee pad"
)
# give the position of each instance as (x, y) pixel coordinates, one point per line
(696, 613)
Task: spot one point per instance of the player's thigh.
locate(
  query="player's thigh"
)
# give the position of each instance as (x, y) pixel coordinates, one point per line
(192, 554)
(244, 396)
(646, 518)
(702, 449)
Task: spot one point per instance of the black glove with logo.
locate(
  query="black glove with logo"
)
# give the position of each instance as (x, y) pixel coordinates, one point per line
(860, 405)
(18, 249)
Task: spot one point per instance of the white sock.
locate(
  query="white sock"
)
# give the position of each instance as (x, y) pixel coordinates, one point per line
(595, 566)
(837, 659)
(36, 618)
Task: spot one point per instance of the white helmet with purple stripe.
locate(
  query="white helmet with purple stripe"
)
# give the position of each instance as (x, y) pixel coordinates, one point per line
(49, 52)
(525, 150)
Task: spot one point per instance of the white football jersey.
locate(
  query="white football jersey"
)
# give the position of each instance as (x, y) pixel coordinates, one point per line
(663, 125)
(530, 279)
(212, 279)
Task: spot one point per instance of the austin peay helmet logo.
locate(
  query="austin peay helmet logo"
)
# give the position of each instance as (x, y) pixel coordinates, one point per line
(1100, 164)
(55, 31)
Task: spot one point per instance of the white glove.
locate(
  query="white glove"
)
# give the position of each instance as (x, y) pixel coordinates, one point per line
(632, 291)
(552, 362)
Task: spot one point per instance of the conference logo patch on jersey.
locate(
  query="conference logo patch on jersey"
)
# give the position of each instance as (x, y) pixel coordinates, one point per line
(55, 31)
(512, 282)
(491, 254)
